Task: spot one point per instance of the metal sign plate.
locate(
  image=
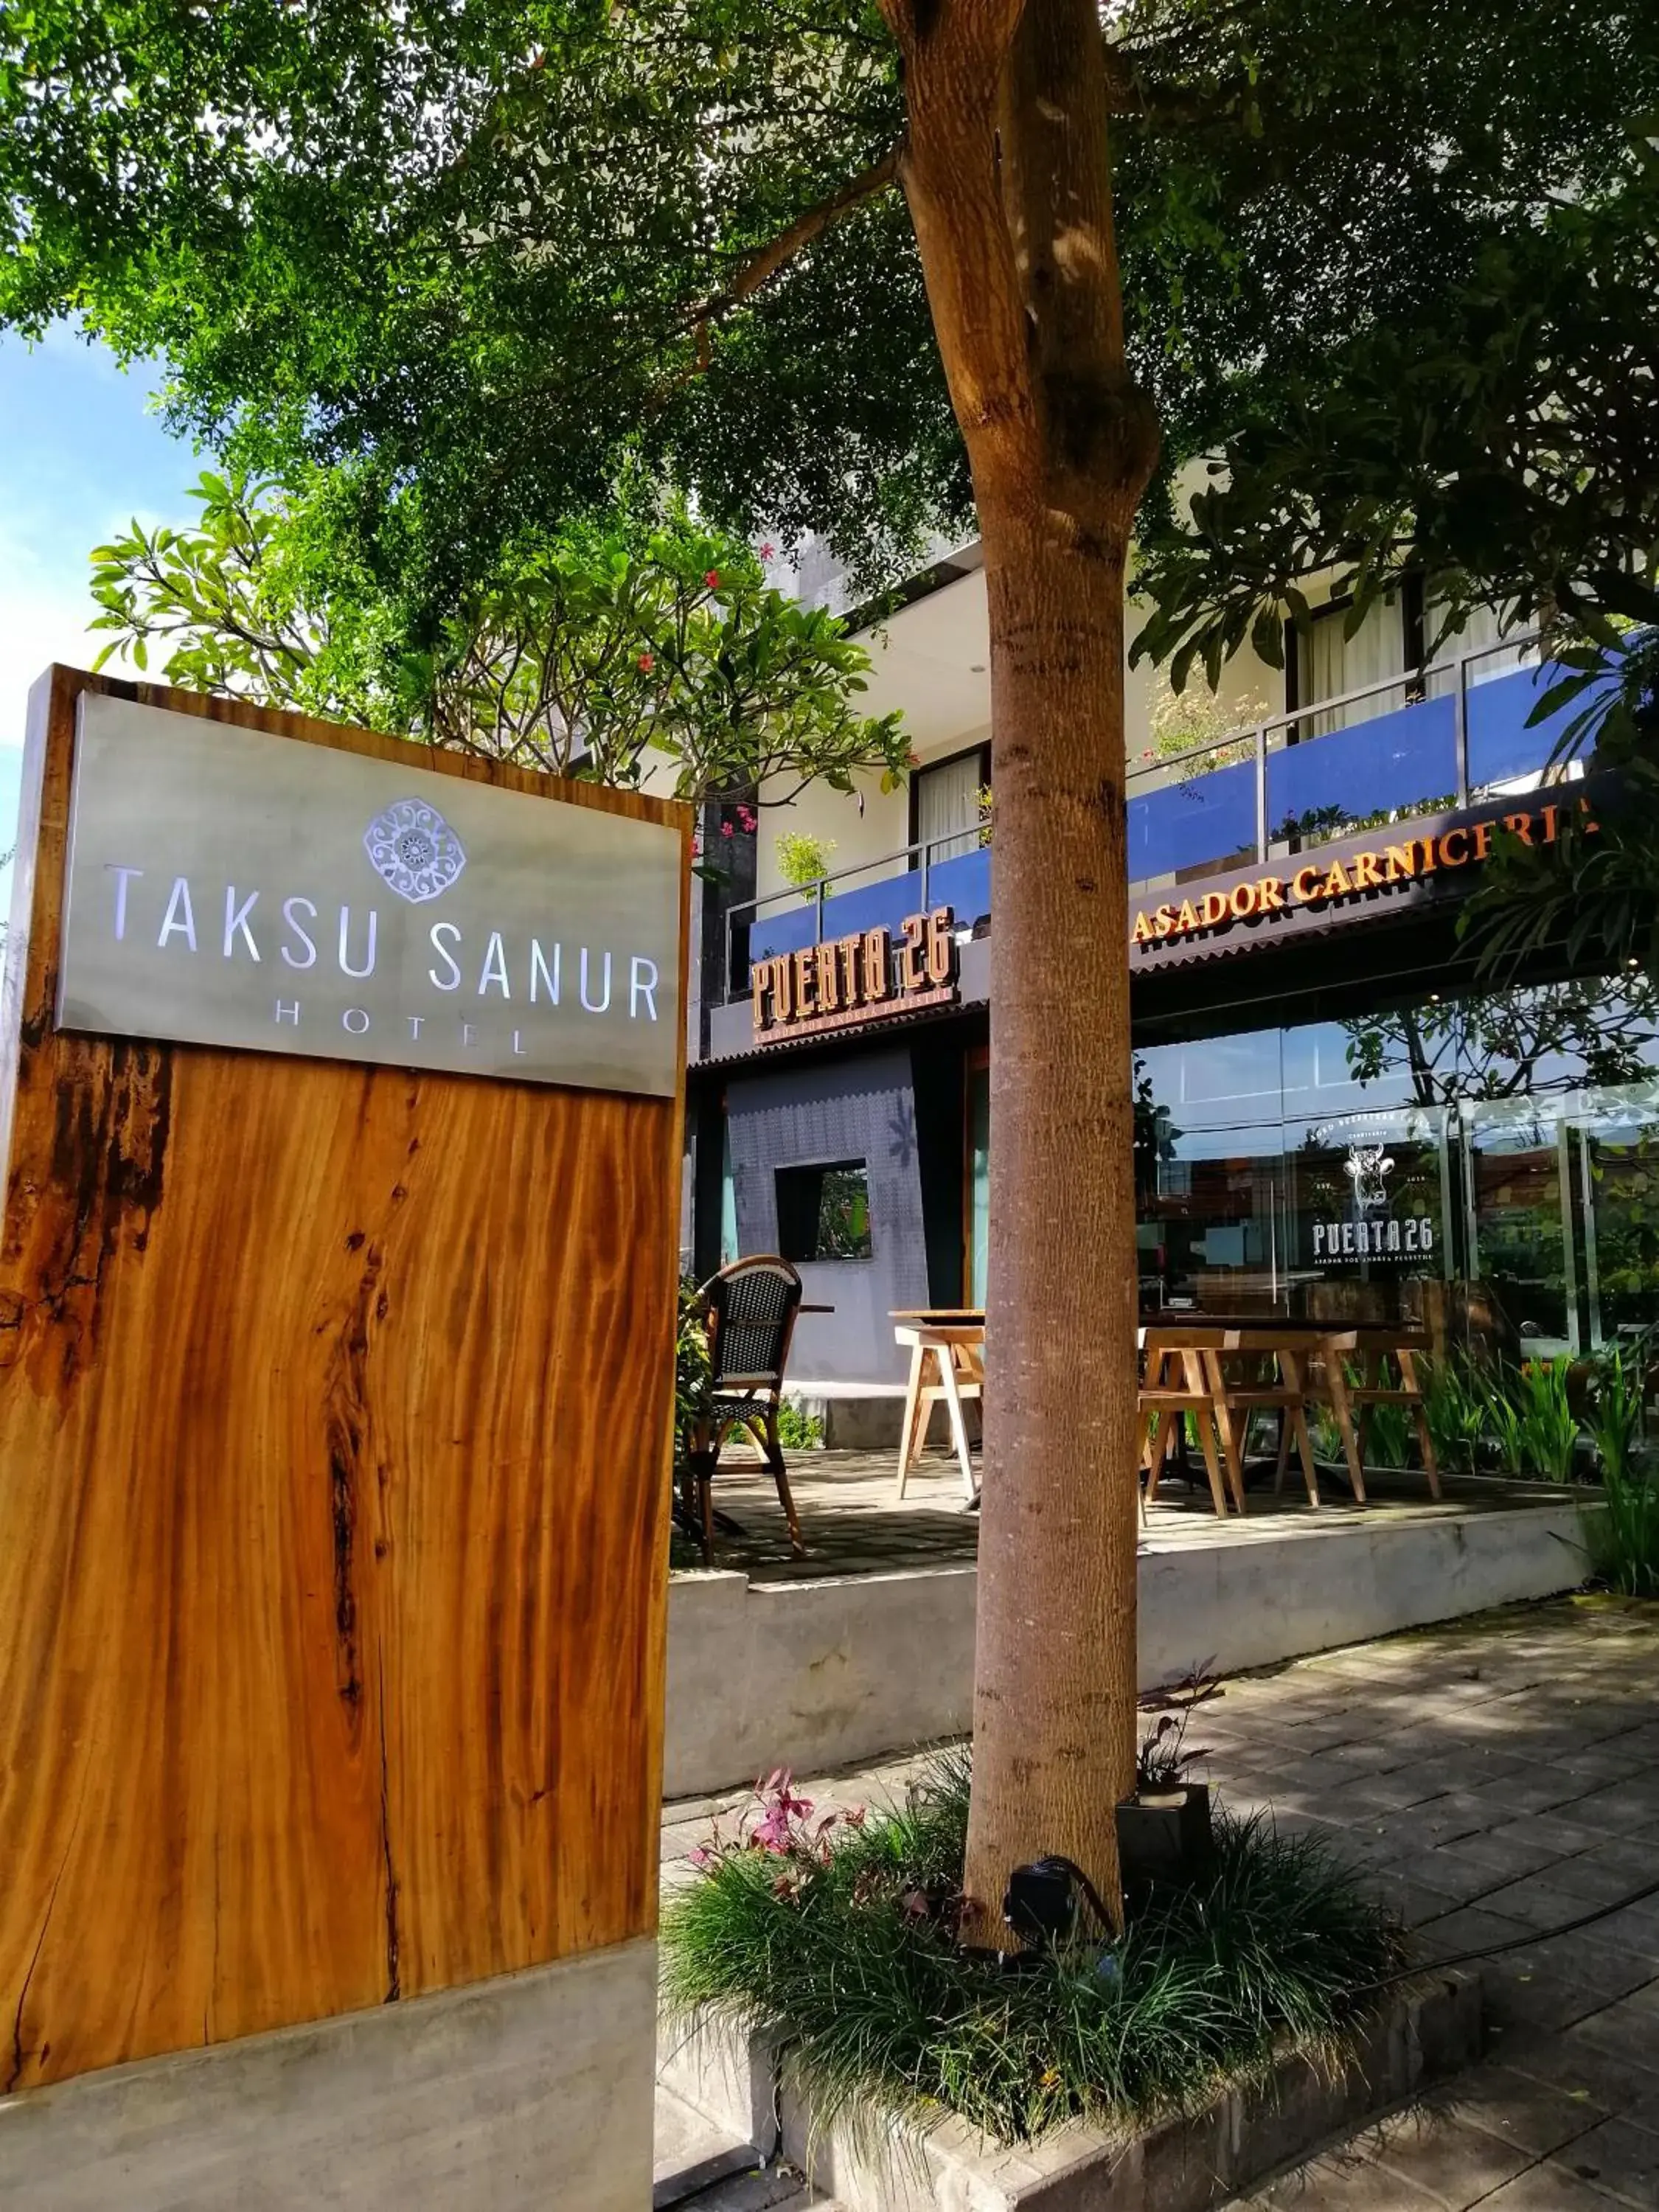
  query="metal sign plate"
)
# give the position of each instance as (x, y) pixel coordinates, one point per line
(228, 887)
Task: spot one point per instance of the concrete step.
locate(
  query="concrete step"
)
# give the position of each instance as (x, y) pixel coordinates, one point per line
(781, 2190)
(699, 2167)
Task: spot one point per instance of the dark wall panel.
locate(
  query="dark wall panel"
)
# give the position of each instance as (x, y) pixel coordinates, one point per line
(856, 1109)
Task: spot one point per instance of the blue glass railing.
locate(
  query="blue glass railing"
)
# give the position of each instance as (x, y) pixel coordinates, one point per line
(1295, 781)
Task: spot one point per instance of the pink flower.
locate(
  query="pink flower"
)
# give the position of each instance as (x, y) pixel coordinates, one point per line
(702, 1858)
(781, 1809)
(746, 818)
(648, 662)
(768, 549)
(712, 578)
(726, 830)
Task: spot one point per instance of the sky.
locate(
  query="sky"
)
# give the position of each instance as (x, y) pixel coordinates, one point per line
(80, 454)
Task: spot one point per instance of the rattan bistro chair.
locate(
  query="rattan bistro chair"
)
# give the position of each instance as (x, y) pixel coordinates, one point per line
(752, 1306)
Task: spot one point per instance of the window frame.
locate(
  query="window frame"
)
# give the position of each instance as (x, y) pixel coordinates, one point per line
(983, 748)
(821, 1169)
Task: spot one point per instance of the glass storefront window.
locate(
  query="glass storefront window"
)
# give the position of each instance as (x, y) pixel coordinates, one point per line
(1619, 1171)
(1521, 1250)
(1211, 1222)
(1494, 1159)
(1368, 1199)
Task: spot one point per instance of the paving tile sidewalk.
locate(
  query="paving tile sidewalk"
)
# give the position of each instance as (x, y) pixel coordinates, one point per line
(1495, 1779)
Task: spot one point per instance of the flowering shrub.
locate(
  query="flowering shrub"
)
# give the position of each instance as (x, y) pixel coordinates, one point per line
(780, 1825)
(1184, 721)
(739, 818)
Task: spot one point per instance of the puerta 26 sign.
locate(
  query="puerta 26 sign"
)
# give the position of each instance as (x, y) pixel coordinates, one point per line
(229, 887)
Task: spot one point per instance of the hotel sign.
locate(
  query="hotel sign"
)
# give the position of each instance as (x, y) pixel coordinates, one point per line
(228, 887)
(850, 981)
(1339, 875)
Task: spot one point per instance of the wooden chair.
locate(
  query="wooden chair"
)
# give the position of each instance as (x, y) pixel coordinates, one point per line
(752, 1305)
(1177, 1384)
(1283, 1393)
(1352, 1396)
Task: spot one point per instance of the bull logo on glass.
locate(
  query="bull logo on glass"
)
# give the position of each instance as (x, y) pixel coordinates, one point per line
(1368, 1168)
(1372, 1229)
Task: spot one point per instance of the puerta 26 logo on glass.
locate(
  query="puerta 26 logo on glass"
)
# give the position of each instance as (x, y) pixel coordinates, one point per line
(1368, 1228)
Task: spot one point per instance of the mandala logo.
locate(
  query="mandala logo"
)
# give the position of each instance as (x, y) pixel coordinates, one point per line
(412, 848)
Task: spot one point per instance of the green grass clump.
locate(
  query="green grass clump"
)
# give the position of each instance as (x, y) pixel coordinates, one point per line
(1623, 1538)
(838, 1940)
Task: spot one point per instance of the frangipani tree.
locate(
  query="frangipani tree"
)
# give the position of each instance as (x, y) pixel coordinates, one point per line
(847, 269)
(602, 651)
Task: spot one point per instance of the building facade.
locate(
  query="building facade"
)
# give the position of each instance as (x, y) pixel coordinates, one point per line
(1334, 1117)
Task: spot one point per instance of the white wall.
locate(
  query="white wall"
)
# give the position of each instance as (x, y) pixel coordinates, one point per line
(858, 833)
(931, 663)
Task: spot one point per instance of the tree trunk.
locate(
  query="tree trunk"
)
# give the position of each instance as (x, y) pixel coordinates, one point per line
(1054, 1672)
(1007, 177)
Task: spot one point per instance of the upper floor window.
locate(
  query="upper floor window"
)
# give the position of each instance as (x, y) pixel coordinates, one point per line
(1329, 664)
(947, 804)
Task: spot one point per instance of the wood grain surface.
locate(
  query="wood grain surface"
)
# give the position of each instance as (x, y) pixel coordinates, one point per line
(335, 1410)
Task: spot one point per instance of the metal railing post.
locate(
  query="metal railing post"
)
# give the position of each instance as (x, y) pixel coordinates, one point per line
(1461, 727)
(925, 847)
(1262, 794)
(817, 937)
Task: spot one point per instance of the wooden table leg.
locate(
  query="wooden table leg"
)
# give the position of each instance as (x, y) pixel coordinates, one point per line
(1202, 1381)
(1296, 1418)
(1212, 1465)
(912, 1400)
(1409, 1382)
(947, 1375)
(1233, 1440)
(1336, 1376)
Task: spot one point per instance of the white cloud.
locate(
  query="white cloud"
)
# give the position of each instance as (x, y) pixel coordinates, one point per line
(38, 624)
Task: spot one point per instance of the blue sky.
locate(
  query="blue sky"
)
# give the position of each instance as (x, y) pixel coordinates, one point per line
(80, 454)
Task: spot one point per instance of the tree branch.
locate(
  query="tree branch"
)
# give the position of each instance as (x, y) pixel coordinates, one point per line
(760, 268)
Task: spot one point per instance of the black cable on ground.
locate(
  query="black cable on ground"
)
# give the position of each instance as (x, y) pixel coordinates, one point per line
(1533, 1935)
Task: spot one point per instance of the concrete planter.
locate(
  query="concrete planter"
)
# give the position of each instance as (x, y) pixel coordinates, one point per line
(840, 1672)
(1425, 2030)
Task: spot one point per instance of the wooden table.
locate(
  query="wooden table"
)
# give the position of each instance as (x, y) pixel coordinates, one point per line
(1312, 1357)
(947, 1361)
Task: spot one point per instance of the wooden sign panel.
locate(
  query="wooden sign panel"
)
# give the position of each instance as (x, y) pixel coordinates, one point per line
(335, 1413)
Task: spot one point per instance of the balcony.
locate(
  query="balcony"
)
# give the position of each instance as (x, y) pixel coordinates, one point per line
(1422, 743)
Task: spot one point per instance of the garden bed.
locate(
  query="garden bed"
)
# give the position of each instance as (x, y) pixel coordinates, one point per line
(1421, 2032)
(1261, 2000)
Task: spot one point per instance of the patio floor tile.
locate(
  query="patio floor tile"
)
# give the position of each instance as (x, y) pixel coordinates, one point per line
(1490, 1780)
(1616, 2156)
(1508, 2104)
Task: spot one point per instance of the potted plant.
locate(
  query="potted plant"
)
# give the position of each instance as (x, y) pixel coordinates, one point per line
(1164, 1831)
